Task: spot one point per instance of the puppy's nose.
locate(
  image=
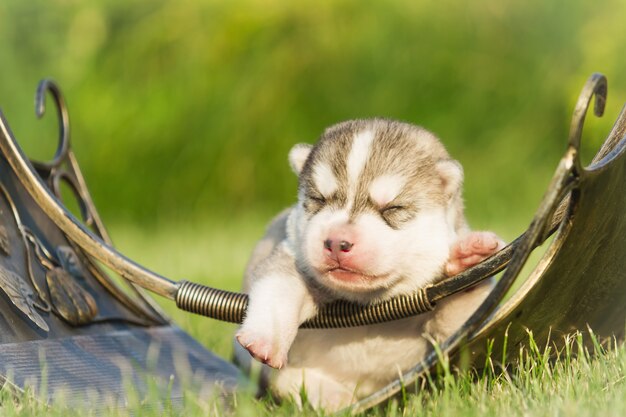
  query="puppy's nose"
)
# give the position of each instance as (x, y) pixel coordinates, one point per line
(345, 246)
(338, 245)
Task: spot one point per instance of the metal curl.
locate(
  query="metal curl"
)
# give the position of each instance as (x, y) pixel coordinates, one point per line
(596, 86)
(63, 176)
(63, 146)
(53, 173)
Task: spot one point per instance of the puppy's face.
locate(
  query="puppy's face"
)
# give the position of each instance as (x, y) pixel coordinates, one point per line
(378, 207)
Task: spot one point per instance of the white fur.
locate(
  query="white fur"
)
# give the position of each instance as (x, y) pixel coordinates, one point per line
(324, 179)
(298, 156)
(337, 366)
(386, 188)
(272, 326)
(359, 153)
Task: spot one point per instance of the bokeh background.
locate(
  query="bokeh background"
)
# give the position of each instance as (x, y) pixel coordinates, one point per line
(183, 111)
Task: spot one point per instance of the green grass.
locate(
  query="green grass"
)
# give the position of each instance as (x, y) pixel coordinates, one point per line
(578, 384)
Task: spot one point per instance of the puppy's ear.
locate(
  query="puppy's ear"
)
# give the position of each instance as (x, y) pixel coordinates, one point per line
(451, 174)
(298, 155)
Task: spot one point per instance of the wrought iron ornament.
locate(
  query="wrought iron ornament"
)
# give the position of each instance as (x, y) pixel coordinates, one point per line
(21, 295)
(54, 280)
(12, 284)
(60, 293)
(60, 308)
(5, 246)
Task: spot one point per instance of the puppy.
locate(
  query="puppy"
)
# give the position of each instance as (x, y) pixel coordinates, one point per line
(379, 214)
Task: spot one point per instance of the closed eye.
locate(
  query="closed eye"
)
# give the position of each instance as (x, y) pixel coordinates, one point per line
(391, 209)
(396, 215)
(318, 199)
(314, 202)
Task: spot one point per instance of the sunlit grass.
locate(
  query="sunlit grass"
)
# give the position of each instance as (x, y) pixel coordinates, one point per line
(580, 383)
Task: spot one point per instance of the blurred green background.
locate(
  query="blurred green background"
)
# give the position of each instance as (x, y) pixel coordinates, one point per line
(183, 111)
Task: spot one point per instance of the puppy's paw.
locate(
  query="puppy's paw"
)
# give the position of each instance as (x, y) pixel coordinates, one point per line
(471, 250)
(262, 348)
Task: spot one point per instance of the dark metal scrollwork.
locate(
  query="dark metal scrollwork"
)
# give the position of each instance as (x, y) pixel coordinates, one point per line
(68, 299)
(5, 246)
(12, 284)
(63, 169)
(55, 278)
(61, 294)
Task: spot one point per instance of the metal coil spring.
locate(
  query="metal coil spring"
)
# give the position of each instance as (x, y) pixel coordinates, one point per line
(346, 314)
(231, 307)
(211, 302)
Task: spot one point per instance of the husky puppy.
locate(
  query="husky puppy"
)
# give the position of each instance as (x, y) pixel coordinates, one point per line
(379, 214)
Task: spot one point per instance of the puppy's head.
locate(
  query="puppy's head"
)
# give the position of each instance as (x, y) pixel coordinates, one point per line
(379, 203)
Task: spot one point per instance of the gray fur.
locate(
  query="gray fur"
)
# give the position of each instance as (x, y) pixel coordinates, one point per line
(398, 148)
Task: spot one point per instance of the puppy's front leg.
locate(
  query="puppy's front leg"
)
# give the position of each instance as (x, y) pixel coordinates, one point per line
(279, 302)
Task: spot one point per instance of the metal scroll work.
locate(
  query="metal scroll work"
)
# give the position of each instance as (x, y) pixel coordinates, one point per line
(51, 278)
(60, 293)
(12, 284)
(63, 169)
(62, 309)
(21, 296)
